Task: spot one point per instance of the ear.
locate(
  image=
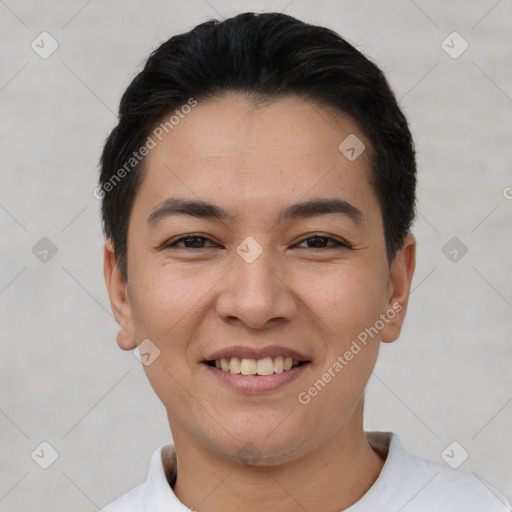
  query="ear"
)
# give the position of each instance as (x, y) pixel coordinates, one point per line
(401, 272)
(119, 300)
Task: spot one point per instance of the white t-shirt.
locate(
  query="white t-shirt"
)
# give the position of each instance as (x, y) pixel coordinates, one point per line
(406, 483)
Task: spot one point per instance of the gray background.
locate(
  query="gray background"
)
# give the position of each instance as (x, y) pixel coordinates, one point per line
(63, 379)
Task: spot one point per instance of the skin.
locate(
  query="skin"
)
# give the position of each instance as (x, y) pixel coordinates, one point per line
(253, 161)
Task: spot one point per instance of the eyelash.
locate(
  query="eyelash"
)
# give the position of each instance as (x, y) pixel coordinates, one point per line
(174, 243)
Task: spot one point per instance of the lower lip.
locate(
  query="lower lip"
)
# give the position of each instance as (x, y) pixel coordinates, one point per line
(257, 383)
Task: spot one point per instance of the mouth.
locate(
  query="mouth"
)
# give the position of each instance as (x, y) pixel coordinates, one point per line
(256, 370)
(260, 367)
(259, 376)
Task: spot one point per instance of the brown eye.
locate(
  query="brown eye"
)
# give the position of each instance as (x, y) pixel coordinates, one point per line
(321, 242)
(189, 241)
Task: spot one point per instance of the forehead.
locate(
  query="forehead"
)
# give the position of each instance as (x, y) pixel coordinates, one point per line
(236, 153)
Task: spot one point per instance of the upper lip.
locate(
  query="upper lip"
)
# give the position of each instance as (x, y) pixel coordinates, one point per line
(256, 353)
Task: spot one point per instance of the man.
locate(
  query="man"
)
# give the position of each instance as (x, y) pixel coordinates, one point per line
(258, 194)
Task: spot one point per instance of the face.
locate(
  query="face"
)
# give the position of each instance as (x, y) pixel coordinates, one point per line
(257, 275)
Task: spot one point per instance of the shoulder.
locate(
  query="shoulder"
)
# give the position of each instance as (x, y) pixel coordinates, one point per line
(424, 485)
(455, 489)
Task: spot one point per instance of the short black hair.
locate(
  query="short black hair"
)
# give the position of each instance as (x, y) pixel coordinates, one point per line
(266, 56)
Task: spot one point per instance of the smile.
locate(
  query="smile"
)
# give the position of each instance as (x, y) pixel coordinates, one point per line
(256, 376)
(262, 367)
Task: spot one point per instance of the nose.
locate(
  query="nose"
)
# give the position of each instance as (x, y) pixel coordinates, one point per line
(256, 293)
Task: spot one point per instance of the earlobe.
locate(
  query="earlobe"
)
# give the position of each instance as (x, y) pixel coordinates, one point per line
(125, 340)
(119, 300)
(401, 272)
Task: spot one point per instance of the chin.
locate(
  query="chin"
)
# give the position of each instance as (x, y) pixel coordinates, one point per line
(258, 448)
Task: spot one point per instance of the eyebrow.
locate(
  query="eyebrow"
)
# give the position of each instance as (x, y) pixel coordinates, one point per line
(201, 209)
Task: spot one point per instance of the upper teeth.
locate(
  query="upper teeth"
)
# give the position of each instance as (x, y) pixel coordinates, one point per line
(266, 366)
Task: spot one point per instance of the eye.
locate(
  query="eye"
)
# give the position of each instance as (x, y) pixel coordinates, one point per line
(191, 241)
(319, 242)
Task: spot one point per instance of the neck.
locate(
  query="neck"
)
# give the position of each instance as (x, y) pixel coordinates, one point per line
(328, 479)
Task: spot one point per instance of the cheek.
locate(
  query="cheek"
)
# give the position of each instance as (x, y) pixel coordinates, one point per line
(163, 312)
(163, 299)
(349, 302)
(347, 299)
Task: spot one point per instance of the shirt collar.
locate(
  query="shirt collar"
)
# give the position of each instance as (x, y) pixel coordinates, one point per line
(158, 494)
